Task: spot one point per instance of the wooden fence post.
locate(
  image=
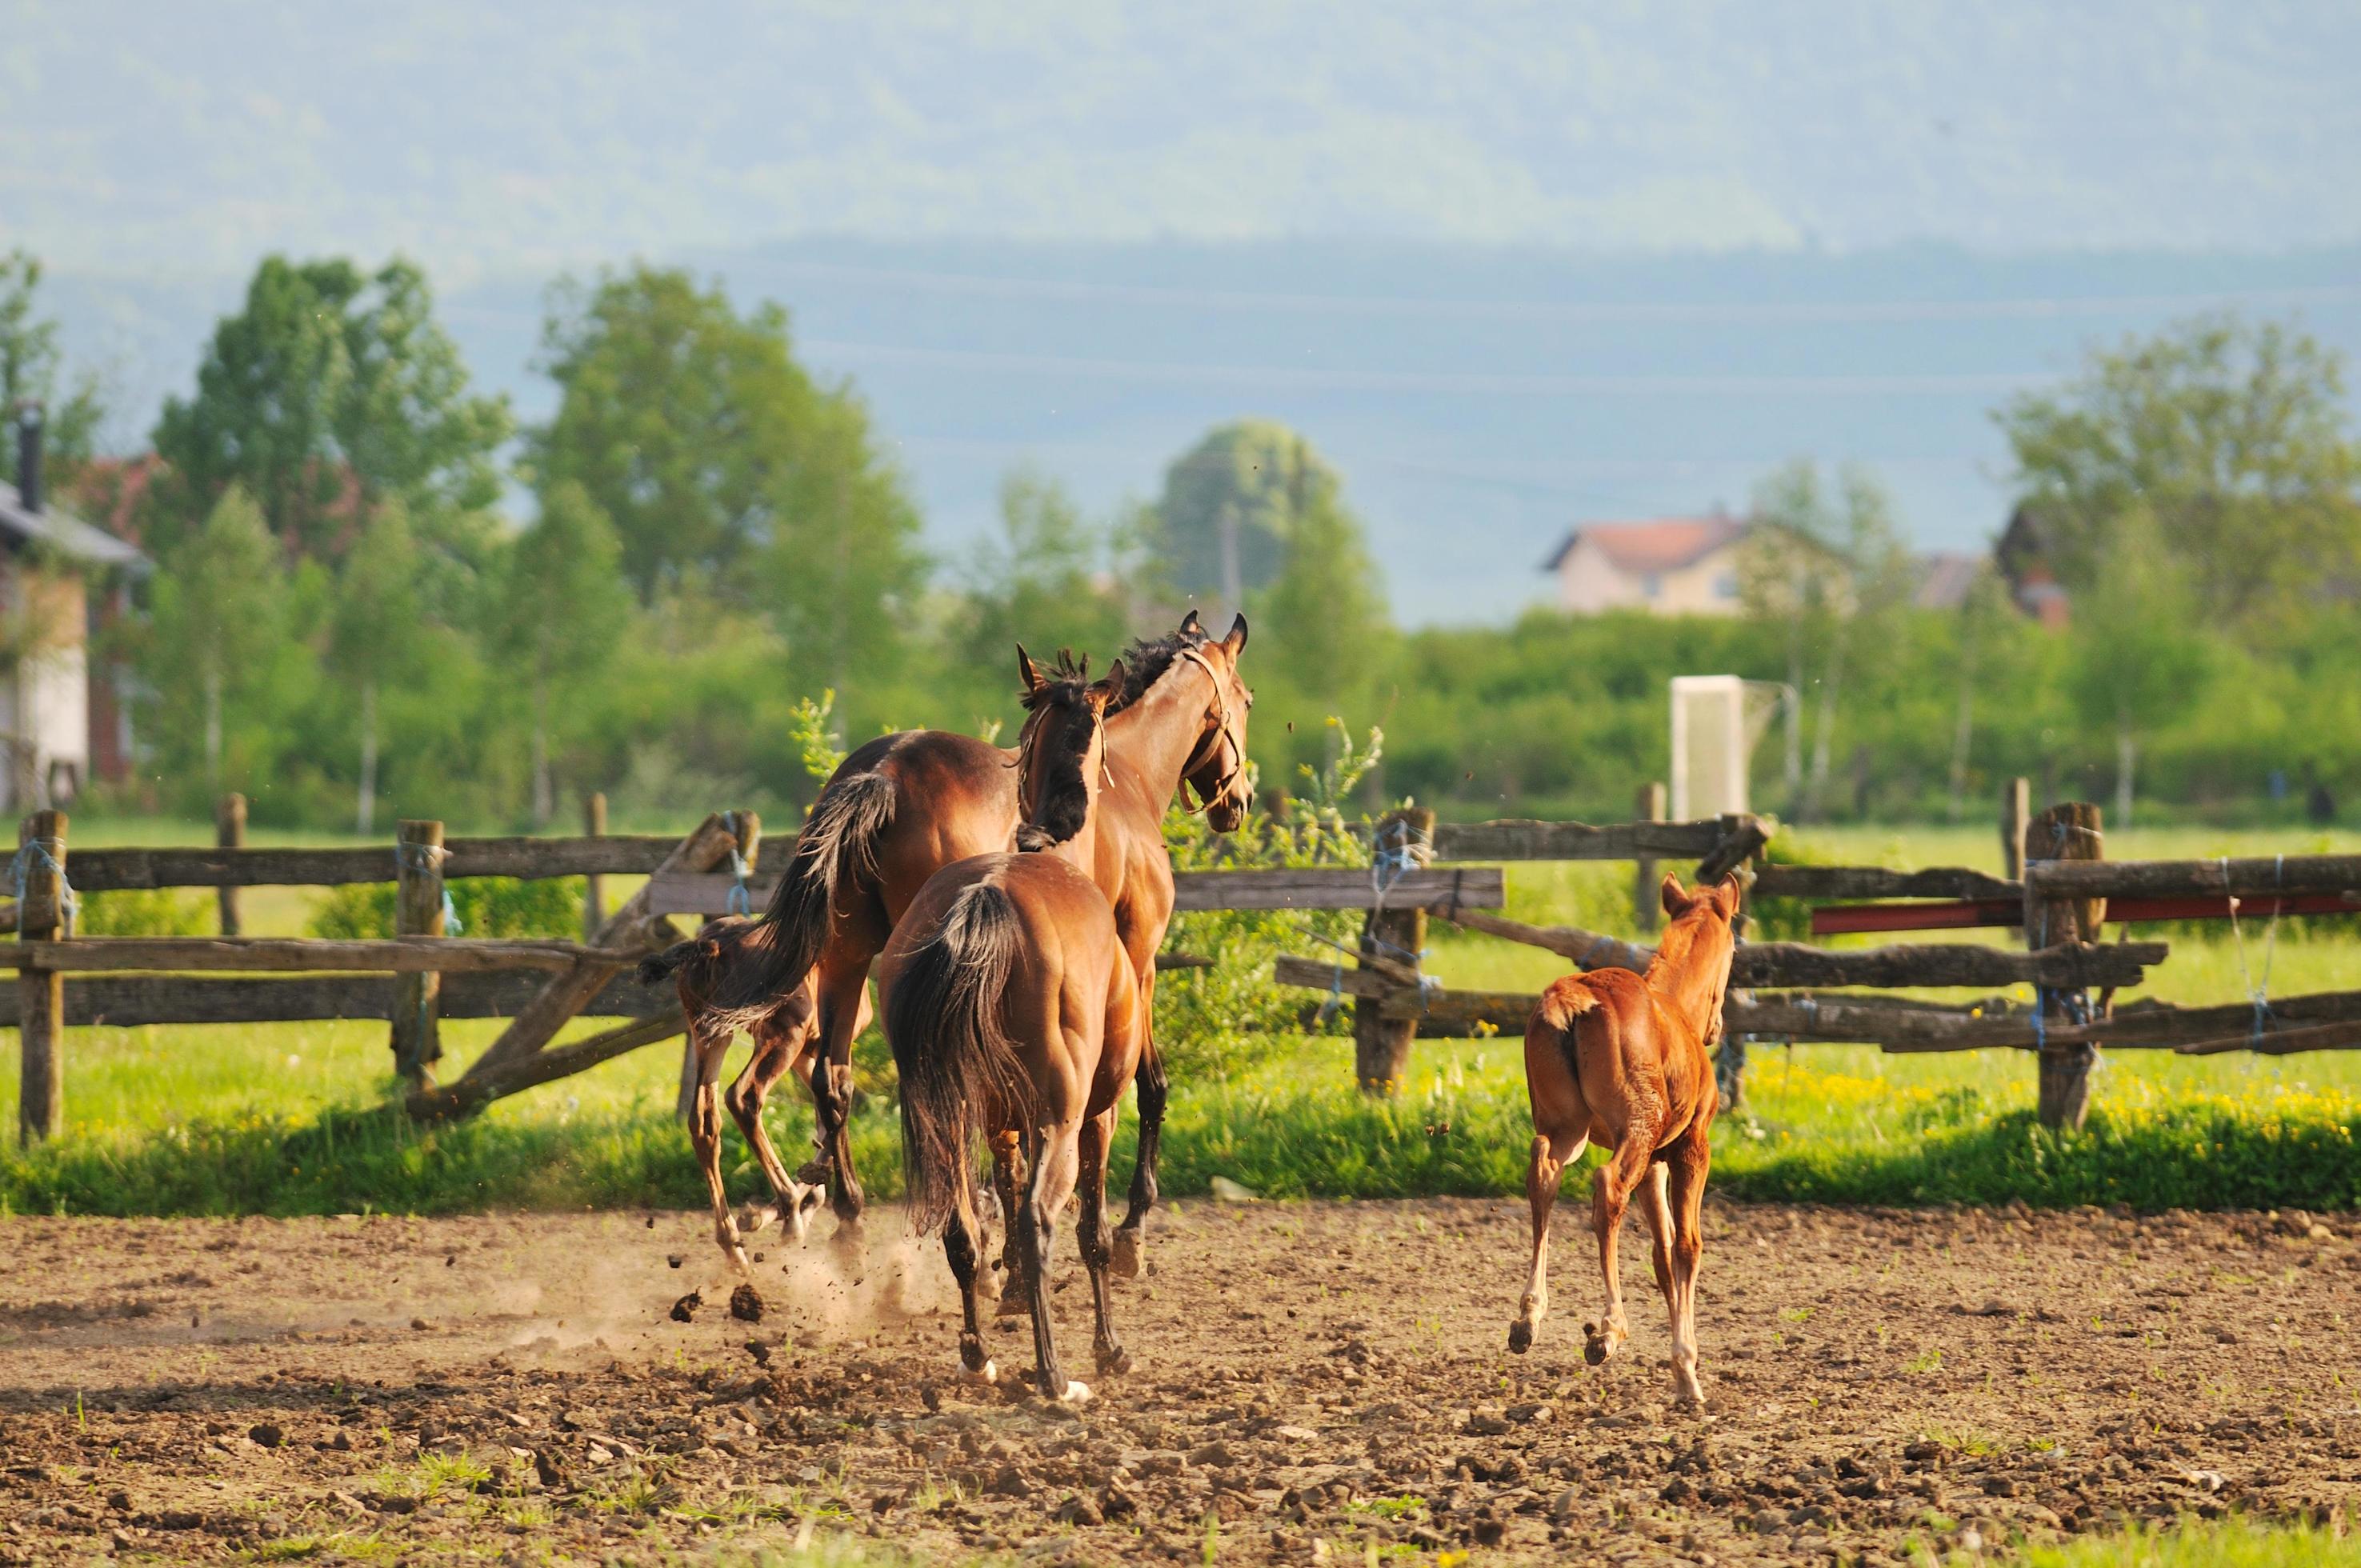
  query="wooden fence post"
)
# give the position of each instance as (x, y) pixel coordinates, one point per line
(418, 912)
(746, 828)
(1380, 1045)
(594, 886)
(2068, 831)
(229, 833)
(2016, 807)
(41, 993)
(1647, 908)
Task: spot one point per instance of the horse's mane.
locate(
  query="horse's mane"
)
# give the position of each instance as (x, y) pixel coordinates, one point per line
(1144, 662)
(1064, 805)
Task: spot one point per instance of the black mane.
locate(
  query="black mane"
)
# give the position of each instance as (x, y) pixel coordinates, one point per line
(1064, 806)
(1144, 662)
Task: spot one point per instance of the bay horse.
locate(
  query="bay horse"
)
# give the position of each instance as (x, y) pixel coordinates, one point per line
(1016, 1017)
(1621, 1059)
(698, 968)
(904, 806)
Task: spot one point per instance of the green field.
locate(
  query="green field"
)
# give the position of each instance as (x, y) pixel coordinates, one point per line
(283, 1118)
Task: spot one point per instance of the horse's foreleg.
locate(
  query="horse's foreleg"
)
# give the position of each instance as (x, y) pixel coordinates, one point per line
(1150, 1085)
(966, 1260)
(709, 1047)
(1550, 1155)
(1044, 1197)
(1610, 1189)
(1008, 1174)
(1097, 1137)
(1660, 1231)
(1688, 1160)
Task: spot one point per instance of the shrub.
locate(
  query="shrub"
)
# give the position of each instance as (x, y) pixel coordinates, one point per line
(486, 906)
(143, 912)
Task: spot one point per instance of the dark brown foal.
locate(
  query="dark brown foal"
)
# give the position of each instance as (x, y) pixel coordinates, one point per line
(1621, 1059)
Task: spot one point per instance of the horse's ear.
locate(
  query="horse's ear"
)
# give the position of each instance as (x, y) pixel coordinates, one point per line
(1731, 890)
(1236, 641)
(1676, 901)
(1025, 671)
(1109, 686)
(1189, 622)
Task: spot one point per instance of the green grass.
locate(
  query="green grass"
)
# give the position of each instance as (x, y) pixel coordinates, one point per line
(2232, 1543)
(285, 1119)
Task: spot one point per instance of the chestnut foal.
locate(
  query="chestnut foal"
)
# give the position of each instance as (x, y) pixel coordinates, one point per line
(1621, 1059)
(784, 1042)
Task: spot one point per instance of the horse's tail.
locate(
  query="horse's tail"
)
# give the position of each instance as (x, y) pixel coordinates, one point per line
(943, 1020)
(839, 844)
(658, 967)
(1562, 1006)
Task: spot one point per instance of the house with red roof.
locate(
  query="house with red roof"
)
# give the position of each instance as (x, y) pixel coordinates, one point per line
(1672, 566)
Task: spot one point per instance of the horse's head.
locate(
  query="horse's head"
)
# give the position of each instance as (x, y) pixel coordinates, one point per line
(1061, 751)
(1698, 947)
(1217, 768)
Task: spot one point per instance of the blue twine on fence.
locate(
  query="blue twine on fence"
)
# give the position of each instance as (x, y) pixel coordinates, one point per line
(2258, 993)
(741, 902)
(425, 857)
(39, 851)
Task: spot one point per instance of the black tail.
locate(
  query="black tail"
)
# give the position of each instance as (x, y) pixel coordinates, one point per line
(839, 844)
(943, 1020)
(659, 967)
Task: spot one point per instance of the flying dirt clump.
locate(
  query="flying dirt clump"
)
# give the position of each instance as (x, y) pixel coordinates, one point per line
(746, 1304)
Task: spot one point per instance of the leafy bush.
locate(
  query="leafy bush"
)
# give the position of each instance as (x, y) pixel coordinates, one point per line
(486, 906)
(1208, 1021)
(144, 912)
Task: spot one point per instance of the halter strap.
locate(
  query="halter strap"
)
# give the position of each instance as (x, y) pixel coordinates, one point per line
(1221, 700)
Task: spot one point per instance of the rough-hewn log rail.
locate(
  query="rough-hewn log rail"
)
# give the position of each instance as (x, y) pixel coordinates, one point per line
(1816, 882)
(1311, 887)
(2259, 875)
(400, 955)
(1907, 964)
(107, 870)
(473, 1092)
(1522, 841)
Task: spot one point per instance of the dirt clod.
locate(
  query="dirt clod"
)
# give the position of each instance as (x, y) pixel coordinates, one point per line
(746, 1305)
(267, 1433)
(685, 1309)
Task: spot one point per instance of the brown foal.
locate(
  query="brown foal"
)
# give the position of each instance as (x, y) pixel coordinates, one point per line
(1621, 1059)
(1016, 1019)
(698, 968)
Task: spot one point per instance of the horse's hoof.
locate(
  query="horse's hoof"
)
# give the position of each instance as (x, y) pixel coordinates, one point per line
(754, 1217)
(1117, 1362)
(988, 1373)
(1123, 1259)
(1521, 1336)
(1075, 1392)
(1598, 1343)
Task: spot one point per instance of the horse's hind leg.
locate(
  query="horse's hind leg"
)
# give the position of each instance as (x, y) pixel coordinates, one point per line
(1008, 1175)
(777, 1050)
(1097, 1137)
(1660, 1231)
(1550, 1155)
(1610, 1189)
(842, 981)
(709, 1046)
(1687, 1160)
(1056, 1157)
(966, 1260)
(1153, 1088)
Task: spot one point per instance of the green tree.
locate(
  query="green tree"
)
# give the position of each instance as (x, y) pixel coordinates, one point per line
(563, 608)
(329, 393)
(373, 634)
(1049, 581)
(1828, 565)
(219, 618)
(2234, 437)
(726, 469)
(1324, 616)
(2137, 663)
(32, 371)
(1219, 532)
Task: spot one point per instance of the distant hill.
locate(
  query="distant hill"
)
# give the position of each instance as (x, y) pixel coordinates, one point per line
(1477, 400)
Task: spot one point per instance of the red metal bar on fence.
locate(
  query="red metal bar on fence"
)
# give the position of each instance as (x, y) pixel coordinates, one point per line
(1842, 919)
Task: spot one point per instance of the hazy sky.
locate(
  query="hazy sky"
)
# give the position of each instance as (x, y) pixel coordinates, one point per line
(515, 137)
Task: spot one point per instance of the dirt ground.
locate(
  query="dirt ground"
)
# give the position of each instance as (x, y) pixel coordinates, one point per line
(1312, 1380)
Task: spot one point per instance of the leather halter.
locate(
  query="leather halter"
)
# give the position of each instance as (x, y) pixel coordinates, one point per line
(1227, 732)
